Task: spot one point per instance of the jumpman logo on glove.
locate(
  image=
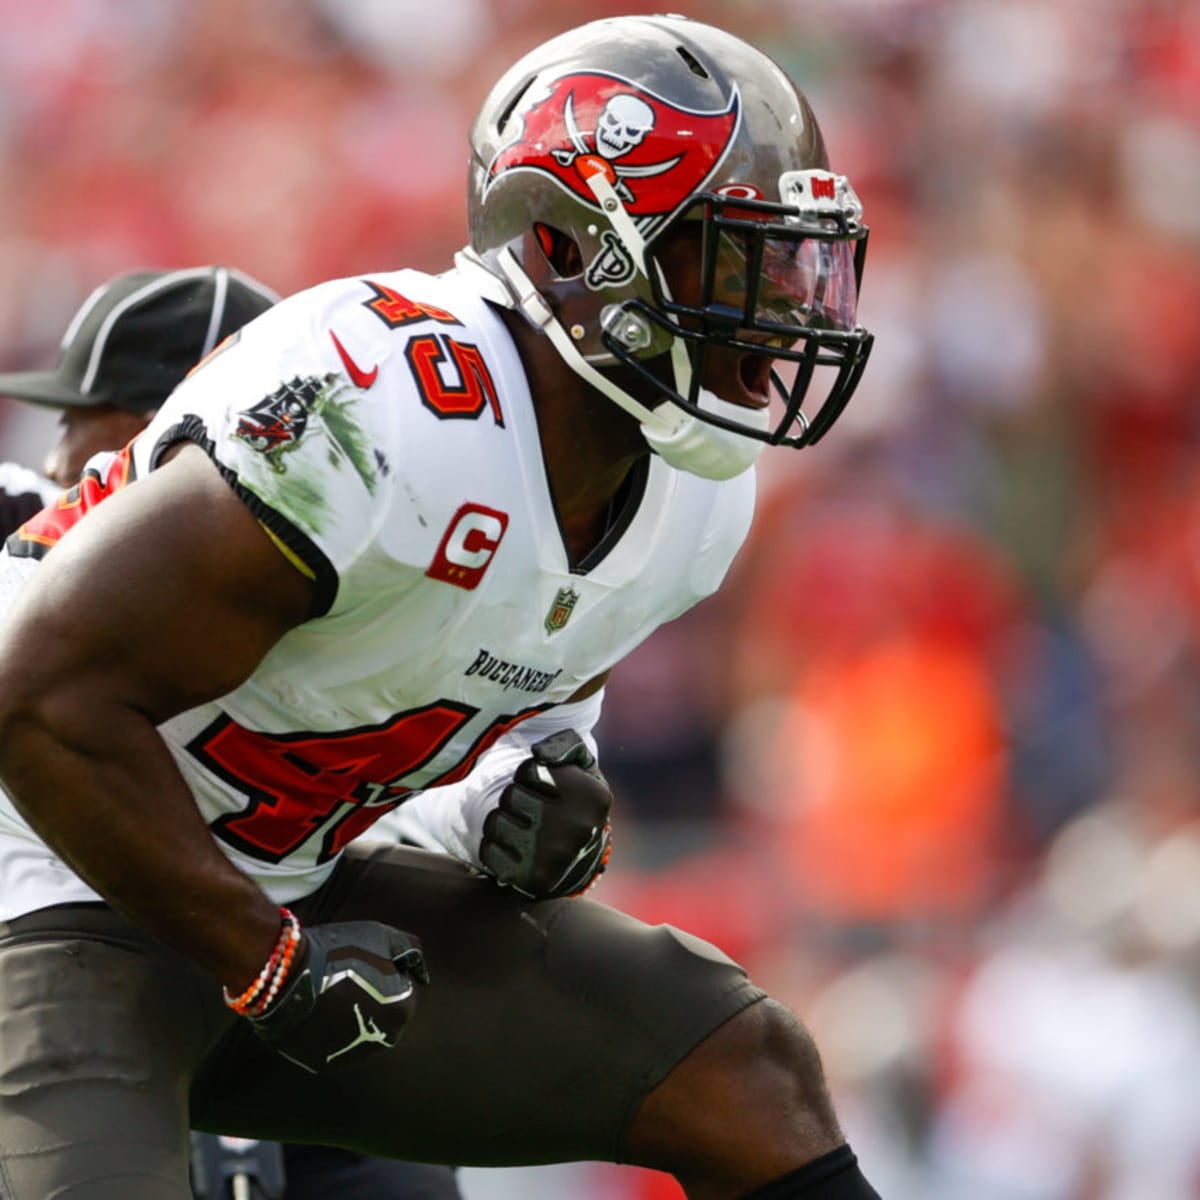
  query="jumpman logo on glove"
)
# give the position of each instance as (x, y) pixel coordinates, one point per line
(368, 1031)
(355, 975)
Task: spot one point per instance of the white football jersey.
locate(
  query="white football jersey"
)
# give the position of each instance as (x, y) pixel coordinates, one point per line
(381, 428)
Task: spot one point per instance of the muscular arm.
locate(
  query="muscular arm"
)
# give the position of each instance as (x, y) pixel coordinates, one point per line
(166, 596)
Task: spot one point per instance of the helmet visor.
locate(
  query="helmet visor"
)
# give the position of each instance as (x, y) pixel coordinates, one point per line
(789, 283)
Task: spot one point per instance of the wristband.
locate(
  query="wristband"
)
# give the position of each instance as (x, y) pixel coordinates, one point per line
(257, 998)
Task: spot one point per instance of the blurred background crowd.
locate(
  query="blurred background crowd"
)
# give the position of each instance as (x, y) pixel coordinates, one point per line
(930, 764)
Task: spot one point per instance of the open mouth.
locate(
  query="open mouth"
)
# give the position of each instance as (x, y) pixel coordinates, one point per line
(754, 371)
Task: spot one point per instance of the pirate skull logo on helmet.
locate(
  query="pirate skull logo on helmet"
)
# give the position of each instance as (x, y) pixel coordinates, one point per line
(622, 125)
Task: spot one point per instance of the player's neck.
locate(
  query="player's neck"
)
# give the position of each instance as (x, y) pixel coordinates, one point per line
(589, 445)
(586, 486)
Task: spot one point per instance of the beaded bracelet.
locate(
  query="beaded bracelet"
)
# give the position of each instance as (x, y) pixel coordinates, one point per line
(282, 970)
(257, 998)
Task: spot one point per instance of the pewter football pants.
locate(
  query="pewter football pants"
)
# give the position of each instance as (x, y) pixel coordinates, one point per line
(544, 1027)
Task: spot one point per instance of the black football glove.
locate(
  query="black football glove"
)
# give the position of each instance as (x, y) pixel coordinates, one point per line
(352, 995)
(549, 835)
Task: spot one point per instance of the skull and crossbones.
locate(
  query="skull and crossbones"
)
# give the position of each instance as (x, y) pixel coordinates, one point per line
(622, 125)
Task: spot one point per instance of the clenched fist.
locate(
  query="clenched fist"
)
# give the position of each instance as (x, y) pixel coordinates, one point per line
(352, 995)
(549, 835)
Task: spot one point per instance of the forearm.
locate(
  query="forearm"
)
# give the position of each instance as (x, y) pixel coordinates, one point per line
(103, 792)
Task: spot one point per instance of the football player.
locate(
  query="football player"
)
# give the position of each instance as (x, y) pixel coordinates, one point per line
(411, 523)
(123, 352)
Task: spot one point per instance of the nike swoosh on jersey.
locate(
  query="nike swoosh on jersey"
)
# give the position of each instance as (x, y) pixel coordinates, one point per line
(360, 378)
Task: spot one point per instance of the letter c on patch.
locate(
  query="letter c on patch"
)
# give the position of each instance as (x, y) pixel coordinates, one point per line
(468, 546)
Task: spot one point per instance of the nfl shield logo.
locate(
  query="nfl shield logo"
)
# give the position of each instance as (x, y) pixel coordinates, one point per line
(560, 610)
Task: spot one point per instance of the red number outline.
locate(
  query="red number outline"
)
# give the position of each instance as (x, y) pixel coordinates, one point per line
(394, 309)
(464, 400)
(339, 784)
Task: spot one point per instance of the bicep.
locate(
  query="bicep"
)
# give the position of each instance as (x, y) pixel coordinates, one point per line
(168, 594)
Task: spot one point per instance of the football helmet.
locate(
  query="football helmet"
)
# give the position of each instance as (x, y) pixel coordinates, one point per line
(600, 153)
